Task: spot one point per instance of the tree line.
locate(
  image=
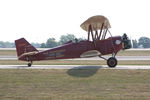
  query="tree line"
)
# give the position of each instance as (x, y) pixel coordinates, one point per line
(142, 42)
(50, 43)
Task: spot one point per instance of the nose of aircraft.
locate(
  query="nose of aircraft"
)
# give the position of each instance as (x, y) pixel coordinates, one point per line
(126, 42)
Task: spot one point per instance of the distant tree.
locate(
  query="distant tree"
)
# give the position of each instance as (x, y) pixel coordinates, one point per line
(36, 45)
(135, 43)
(66, 38)
(43, 45)
(80, 39)
(6, 44)
(144, 41)
(51, 42)
(12, 45)
(2, 45)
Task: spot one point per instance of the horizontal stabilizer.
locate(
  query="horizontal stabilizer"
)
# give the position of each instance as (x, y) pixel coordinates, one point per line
(28, 54)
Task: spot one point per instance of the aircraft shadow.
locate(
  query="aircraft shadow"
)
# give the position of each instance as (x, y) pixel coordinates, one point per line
(83, 71)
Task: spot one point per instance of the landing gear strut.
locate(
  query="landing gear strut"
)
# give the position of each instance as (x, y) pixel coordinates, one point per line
(112, 62)
(30, 64)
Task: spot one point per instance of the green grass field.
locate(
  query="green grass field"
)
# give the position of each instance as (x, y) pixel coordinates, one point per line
(74, 84)
(8, 52)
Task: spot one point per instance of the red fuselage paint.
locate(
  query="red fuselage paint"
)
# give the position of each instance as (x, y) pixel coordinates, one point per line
(74, 50)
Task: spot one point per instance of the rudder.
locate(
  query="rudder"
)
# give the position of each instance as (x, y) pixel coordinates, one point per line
(23, 46)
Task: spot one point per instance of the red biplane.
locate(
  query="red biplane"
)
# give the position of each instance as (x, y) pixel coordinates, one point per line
(98, 43)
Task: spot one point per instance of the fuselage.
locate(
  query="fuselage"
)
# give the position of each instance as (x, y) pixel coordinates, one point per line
(76, 49)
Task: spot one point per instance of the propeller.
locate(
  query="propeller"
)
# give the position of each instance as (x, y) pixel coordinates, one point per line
(126, 42)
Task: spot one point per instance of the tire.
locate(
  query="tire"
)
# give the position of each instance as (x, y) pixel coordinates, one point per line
(29, 64)
(112, 62)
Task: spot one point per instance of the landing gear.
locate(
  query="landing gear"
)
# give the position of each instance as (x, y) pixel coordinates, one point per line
(112, 62)
(30, 64)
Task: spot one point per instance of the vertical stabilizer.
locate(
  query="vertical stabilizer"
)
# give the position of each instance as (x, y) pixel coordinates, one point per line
(23, 46)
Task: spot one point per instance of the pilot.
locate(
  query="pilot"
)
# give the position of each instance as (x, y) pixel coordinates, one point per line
(76, 40)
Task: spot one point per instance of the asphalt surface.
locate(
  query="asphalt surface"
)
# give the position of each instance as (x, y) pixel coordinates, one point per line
(73, 67)
(8, 58)
(92, 58)
(118, 58)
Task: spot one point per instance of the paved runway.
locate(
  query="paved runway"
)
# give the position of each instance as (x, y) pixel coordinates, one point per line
(92, 58)
(73, 67)
(118, 58)
(8, 57)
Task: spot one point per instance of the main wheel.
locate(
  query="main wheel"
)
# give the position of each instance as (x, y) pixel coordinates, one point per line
(29, 64)
(112, 62)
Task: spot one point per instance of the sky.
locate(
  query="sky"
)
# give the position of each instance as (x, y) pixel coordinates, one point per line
(38, 20)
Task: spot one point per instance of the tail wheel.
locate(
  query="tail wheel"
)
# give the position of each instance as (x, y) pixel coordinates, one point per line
(30, 64)
(112, 62)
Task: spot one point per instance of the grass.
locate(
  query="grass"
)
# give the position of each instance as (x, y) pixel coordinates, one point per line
(8, 52)
(74, 84)
(121, 53)
(74, 62)
(134, 53)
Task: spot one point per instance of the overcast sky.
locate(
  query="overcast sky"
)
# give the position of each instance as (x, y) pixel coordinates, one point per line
(38, 20)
